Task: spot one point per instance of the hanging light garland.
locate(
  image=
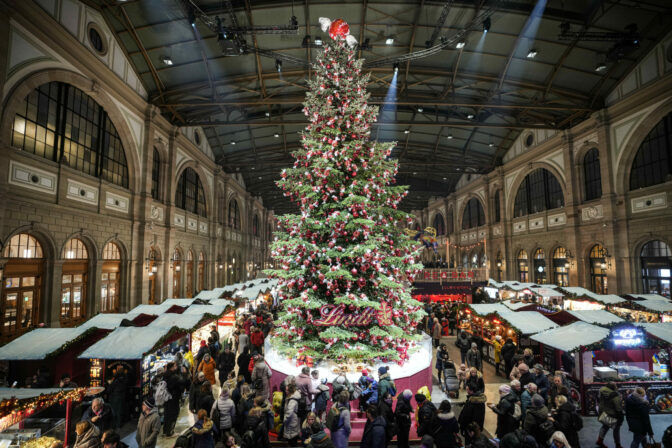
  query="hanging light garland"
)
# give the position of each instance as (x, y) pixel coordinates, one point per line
(14, 410)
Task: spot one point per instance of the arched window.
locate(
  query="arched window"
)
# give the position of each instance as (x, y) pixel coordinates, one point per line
(560, 267)
(498, 213)
(539, 266)
(190, 274)
(656, 259)
(109, 284)
(598, 269)
(450, 228)
(74, 281)
(201, 272)
(156, 175)
(255, 225)
(539, 191)
(438, 224)
(522, 266)
(592, 178)
(61, 123)
(189, 194)
(21, 285)
(653, 162)
(176, 264)
(473, 216)
(234, 214)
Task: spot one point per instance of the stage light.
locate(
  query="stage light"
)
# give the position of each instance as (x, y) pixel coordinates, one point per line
(450, 136)
(486, 25)
(420, 109)
(167, 60)
(276, 135)
(192, 17)
(600, 67)
(460, 45)
(268, 114)
(389, 40)
(407, 131)
(233, 142)
(415, 173)
(532, 53)
(470, 116)
(395, 66)
(445, 178)
(278, 65)
(491, 144)
(318, 41)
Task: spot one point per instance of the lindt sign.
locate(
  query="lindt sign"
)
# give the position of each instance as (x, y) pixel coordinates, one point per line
(336, 315)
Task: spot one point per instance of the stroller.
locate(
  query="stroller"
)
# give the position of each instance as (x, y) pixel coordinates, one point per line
(452, 385)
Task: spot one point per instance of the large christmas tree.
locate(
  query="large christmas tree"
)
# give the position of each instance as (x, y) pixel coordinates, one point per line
(342, 262)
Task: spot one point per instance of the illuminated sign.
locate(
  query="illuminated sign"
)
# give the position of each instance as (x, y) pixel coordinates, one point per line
(627, 337)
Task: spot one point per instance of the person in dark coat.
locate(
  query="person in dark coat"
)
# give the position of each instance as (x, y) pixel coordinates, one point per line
(319, 438)
(525, 376)
(441, 357)
(541, 380)
(611, 403)
(475, 381)
(508, 352)
(534, 417)
(204, 431)
(564, 420)
(195, 392)
(463, 343)
(202, 350)
(477, 438)
(226, 362)
(116, 394)
(243, 364)
(568, 364)
(474, 358)
(504, 410)
(444, 427)
(402, 415)
(206, 400)
(171, 408)
(374, 430)
(385, 411)
(100, 414)
(425, 414)
(637, 415)
(472, 412)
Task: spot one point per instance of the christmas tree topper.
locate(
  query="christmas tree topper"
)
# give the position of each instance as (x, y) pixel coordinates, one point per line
(338, 29)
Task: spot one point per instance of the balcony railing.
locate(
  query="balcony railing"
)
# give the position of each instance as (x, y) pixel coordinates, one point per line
(453, 275)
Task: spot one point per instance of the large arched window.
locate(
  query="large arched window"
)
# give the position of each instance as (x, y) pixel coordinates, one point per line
(656, 259)
(498, 212)
(189, 194)
(560, 267)
(255, 225)
(522, 266)
(450, 228)
(156, 175)
(234, 214)
(439, 225)
(61, 123)
(20, 285)
(74, 281)
(109, 281)
(653, 162)
(592, 178)
(473, 216)
(539, 191)
(539, 266)
(598, 269)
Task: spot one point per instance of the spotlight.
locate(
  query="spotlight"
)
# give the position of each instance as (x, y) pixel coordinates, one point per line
(460, 44)
(450, 136)
(233, 142)
(389, 40)
(420, 109)
(276, 135)
(318, 41)
(278, 65)
(600, 67)
(415, 173)
(486, 25)
(491, 144)
(407, 131)
(532, 53)
(268, 114)
(166, 60)
(445, 178)
(192, 17)
(470, 116)
(395, 66)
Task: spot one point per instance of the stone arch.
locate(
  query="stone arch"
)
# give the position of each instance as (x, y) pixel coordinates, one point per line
(515, 186)
(209, 194)
(123, 249)
(92, 88)
(93, 253)
(634, 141)
(49, 247)
(463, 206)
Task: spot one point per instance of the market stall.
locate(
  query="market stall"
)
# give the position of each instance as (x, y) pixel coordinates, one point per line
(645, 308)
(577, 298)
(108, 321)
(510, 290)
(151, 309)
(597, 317)
(209, 314)
(628, 354)
(471, 317)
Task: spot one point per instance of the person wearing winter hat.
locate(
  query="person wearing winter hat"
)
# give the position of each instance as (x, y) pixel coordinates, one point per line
(474, 358)
(504, 410)
(385, 383)
(402, 416)
(535, 416)
(525, 376)
(541, 380)
(424, 414)
(149, 425)
(558, 440)
(637, 416)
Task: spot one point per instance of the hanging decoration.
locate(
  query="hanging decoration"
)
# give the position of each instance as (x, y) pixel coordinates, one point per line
(14, 410)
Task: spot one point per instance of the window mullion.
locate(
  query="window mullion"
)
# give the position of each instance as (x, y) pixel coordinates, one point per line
(61, 115)
(99, 145)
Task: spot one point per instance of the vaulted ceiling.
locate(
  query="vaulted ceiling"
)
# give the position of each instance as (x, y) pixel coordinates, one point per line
(457, 110)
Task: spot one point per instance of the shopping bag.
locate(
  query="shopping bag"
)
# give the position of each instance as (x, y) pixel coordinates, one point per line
(607, 420)
(651, 443)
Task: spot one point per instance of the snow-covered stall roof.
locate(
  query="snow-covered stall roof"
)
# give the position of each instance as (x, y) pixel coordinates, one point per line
(483, 309)
(661, 330)
(39, 343)
(606, 299)
(151, 309)
(7, 393)
(598, 317)
(528, 322)
(546, 291)
(221, 302)
(571, 336)
(211, 293)
(126, 343)
(650, 297)
(184, 321)
(215, 310)
(653, 304)
(517, 286)
(515, 305)
(178, 302)
(253, 292)
(107, 321)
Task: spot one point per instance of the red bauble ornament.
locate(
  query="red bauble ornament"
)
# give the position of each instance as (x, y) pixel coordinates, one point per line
(339, 28)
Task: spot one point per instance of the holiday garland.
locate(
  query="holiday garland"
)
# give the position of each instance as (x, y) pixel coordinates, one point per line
(14, 410)
(347, 248)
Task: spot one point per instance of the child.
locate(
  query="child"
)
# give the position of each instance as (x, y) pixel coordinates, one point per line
(315, 380)
(321, 399)
(462, 376)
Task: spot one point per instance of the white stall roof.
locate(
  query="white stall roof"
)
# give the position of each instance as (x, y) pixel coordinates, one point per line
(660, 306)
(483, 309)
(184, 321)
(39, 343)
(547, 291)
(215, 310)
(598, 317)
(517, 286)
(221, 302)
(528, 322)
(661, 330)
(126, 343)
(151, 309)
(606, 299)
(650, 297)
(515, 305)
(571, 336)
(178, 302)
(7, 393)
(253, 292)
(211, 294)
(107, 321)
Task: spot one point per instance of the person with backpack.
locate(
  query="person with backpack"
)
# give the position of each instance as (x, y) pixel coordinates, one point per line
(341, 383)
(536, 421)
(338, 420)
(370, 394)
(223, 412)
(261, 376)
(304, 385)
(444, 427)
(611, 414)
(506, 411)
(463, 344)
(255, 430)
(518, 439)
(667, 437)
(637, 414)
(374, 435)
(385, 383)
(291, 425)
(567, 420)
(402, 416)
(204, 431)
(424, 414)
(321, 399)
(385, 411)
(473, 411)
